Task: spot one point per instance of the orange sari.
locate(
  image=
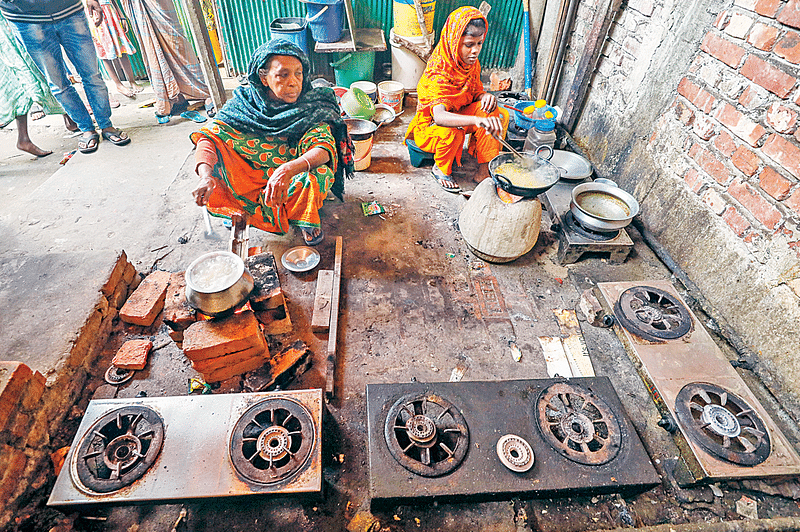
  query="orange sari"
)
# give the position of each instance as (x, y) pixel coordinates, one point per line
(448, 81)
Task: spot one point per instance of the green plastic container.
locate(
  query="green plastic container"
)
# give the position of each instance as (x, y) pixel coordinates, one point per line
(354, 66)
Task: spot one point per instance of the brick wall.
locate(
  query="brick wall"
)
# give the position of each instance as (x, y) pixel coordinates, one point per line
(693, 108)
(33, 406)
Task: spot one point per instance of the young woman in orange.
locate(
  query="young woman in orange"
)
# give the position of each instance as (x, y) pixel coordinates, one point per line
(452, 102)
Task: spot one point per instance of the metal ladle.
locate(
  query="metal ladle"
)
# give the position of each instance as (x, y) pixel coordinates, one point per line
(527, 161)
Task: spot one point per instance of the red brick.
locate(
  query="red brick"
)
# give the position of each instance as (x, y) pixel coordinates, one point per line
(750, 199)
(17, 460)
(710, 164)
(213, 338)
(231, 359)
(714, 201)
(33, 391)
(703, 127)
(790, 14)
(745, 160)
(774, 184)
(771, 78)
(781, 118)
(227, 372)
(693, 180)
(683, 113)
(767, 8)
(133, 354)
(22, 422)
(753, 96)
(763, 37)
(687, 89)
(784, 152)
(738, 223)
(740, 125)
(722, 49)
(116, 274)
(14, 377)
(794, 201)
(789, 47)
(177, 313)
(725, 144)
(147, 300)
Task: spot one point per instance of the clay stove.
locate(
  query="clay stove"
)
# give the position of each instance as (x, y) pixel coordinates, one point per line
(167, 448)
(721, 426)
(498, 439)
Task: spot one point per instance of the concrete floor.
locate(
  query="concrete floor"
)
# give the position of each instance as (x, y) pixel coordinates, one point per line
(407, 312)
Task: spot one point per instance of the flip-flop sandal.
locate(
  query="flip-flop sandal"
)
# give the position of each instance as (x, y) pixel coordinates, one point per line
(194, 116)
(162, 119)
(36, 113)
(88, 142)
(211, 111)
(116, 137)
(442, 180)
(316, 240)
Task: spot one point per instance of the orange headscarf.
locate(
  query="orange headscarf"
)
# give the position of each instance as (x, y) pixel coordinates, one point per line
(446, 79)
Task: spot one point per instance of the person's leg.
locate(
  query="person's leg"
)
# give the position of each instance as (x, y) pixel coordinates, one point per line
(112, 73)
(41, 41)
(128, 69)
(76, 39)
(24, 141)
(446, 144)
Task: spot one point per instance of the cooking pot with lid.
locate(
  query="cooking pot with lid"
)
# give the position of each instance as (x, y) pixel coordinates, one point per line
(603, 207)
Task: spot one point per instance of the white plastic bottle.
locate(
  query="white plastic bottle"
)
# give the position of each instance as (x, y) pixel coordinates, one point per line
(542, 133)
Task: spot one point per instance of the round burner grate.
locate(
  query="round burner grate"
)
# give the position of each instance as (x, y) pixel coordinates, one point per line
(515, 453)
(117, 449)
(723, 424)
(427, 434)
(652, 314)
(578, 424)
(587, 232)
(272, 441)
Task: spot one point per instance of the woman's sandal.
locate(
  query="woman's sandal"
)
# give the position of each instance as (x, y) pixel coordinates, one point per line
(36, 113)
(162, 119)
(313, 241)
(88, 142)
(194, 116)
(117, 137)
(443, 180)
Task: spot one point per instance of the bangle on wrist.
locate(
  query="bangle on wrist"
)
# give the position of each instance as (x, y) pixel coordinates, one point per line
(308, 164)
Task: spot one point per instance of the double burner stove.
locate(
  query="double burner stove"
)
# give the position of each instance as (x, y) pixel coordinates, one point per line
(168, 448)
(499, 439)
(723, 430)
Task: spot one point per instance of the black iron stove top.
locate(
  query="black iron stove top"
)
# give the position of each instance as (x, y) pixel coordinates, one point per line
(498, 439)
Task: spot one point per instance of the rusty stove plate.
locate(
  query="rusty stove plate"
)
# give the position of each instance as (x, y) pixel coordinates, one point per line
(652, 314)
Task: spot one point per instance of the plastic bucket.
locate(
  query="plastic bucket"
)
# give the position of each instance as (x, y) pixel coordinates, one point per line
(369, 88)
(405, 17)
(354, 66)
(363, 153)
(292, 29)
(391, 93)
(407, 68)
(325, 19)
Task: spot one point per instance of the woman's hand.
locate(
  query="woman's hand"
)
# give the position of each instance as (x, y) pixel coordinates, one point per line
(95, 12)
(492, 124)
(205, 186)
(488, 102)
(277, 191)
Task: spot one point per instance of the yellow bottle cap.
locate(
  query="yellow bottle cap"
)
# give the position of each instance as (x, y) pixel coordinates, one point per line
(548, 114)
(528, 110)
(540, 103)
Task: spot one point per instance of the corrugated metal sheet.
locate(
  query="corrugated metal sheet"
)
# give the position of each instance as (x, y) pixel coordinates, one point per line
(244, 24)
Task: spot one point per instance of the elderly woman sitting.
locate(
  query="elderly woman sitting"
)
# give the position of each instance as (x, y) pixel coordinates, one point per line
(452, 101)
(275, 149)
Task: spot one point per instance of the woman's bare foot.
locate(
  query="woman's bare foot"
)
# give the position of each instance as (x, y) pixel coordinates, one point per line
(33, 149)
(125, 91)
(313, 236)
(136, 88)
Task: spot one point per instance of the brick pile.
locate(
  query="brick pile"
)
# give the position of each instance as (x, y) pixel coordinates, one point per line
(223, 348)
(736, 116)
(178, 315)
(267, 299)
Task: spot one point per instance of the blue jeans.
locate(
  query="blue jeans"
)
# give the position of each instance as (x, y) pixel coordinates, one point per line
(44, 42)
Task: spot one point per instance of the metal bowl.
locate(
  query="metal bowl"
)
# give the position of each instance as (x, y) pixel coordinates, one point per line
(300, 259)
(360, 129)
(539, 166)
(571, 166)
(383, 114)
(221, 296)
(603, 207)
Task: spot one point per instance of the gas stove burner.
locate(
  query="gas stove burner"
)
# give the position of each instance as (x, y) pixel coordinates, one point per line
(578, 424)
(652, 314)
(722, 424)
(515, 453)
(116, 376)
(592, 234)
(272, 441)
(426, 434)
(117, 449)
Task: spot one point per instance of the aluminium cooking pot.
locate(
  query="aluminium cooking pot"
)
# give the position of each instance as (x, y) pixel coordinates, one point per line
(217, 283)
(603, 207)
(545, 172)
